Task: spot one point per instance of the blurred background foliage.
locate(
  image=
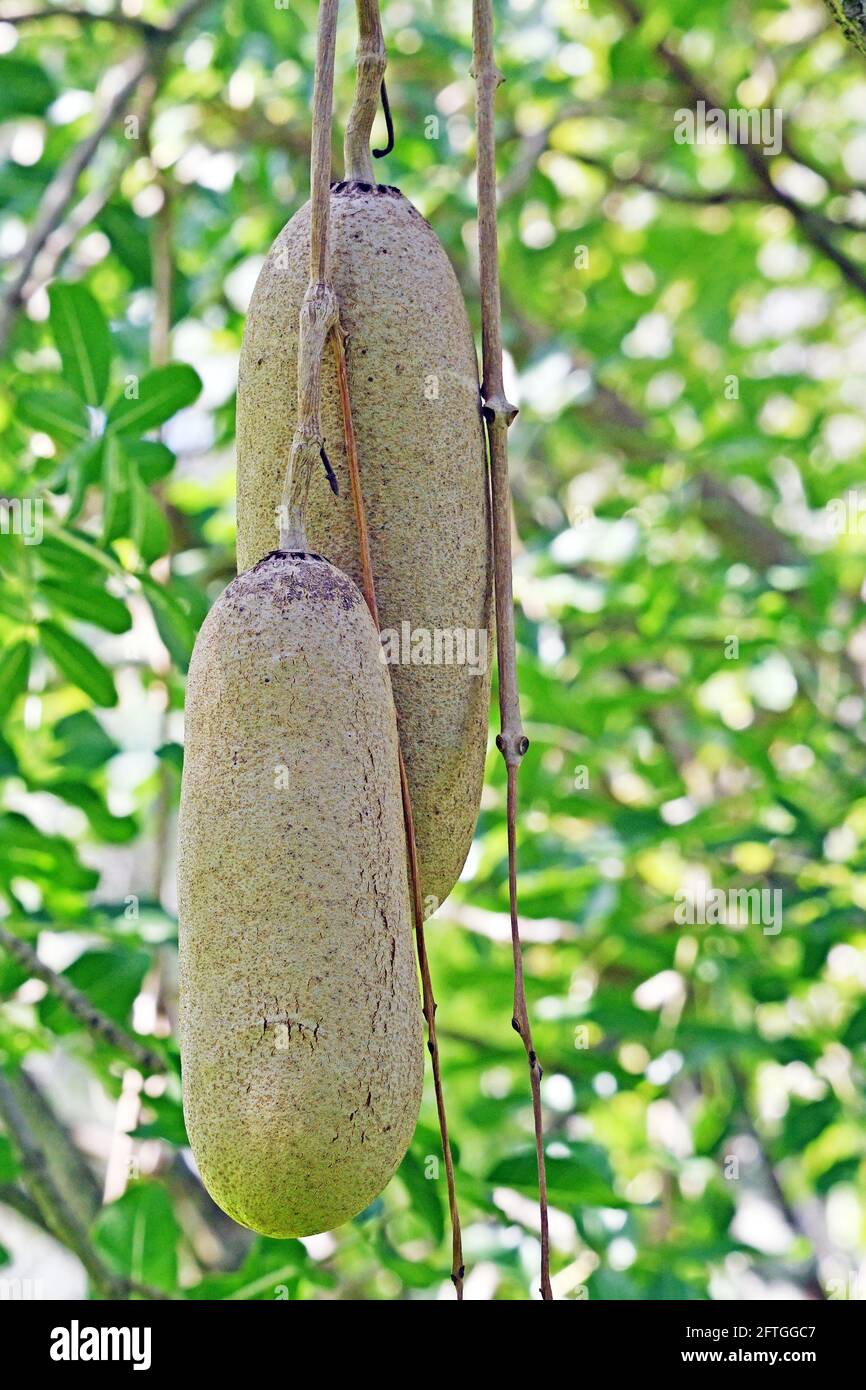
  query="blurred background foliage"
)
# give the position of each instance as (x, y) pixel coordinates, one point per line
(686, 334)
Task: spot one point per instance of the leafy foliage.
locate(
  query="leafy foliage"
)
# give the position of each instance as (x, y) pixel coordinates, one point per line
(685, 329)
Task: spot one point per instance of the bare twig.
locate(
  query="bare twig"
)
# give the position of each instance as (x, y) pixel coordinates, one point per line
(723, 197)
(55, 1211)
(68, 1169)
(18, 1200)
(319, 309)
(852, 19)
(812, 1280)
(59, 243)
(498, 414)
(163, 278)
(115, 17)
(429, 1002)
(811, 226)
(531, 147)
(370, 63)
(79, 1005)
(61, 190)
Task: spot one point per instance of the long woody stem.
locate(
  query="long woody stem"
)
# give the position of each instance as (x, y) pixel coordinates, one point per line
(370, 63)
(319, 309)
(498, 415)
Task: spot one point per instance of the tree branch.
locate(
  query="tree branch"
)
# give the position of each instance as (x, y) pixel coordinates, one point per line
(16, 1199)
(791, 1215)
(809, 224)
(115, 17)
(80, 1006)
(61, 189)
(851, 17)
(56, 1213)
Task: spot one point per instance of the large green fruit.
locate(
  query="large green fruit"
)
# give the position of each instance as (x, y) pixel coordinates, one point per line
(413, 381)
(300, 1023)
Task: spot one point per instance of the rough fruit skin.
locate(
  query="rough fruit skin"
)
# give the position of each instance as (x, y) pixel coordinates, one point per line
(300, 1022)
(413, 382)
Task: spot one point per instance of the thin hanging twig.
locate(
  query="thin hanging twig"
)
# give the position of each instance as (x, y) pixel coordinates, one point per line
(319, 312)
(429, 1005)
(80, 1006)
(498, 414)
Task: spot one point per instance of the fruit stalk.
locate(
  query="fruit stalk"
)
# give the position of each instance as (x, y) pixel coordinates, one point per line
(498, 415)
(370, 63)
(319, 311)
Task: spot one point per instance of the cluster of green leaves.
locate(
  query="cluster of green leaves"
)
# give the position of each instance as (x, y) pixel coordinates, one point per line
(688, 366)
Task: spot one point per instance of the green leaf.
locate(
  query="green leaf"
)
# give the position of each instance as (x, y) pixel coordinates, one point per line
(138, 1235)
(78, 664)
(855, 1032)
(415, 1274)
(86, 745)
(83, 340)
(269, 1272)
(14, 671)
(8, 760)
(161, 393)
(25, 88)
(129, 241)
(83, 468)
(167, 1122)
(88, 604)
(72, 555)
(48, 859)
(172, 755)
(110, 979)
(570, 1181)
(56, 413)
(152, 459)
(14, 606)
(805, 1121)
(149, 529)
(174, 625)
(10, 1168)
(113, 830)
(844, 1170)
(423, 1194)
(116, 493)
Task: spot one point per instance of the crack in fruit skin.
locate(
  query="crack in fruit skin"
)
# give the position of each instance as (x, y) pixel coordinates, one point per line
(299, 1002)
(413, 382)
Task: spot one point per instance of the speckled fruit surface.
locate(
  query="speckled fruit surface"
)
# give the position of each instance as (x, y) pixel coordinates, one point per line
(300, 1021)
(413, 381)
